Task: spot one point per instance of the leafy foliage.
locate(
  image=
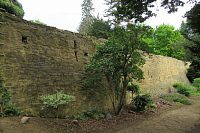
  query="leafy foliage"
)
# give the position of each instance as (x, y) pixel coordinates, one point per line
(133, 88)
(196, 82)
(143, 102)
(176, 98)
(37, 22)
(12, 6)
(187, 90)
(91, 113)
(87, 17)
(165, 40)
(193, 48)
(140, 10)
(193, 18)
(118, 61)
(6, 107)
(56, 100)
(100, 28)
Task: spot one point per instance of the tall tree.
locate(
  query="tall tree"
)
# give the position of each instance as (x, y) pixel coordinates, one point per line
(13, 7)
(191, 30)
(119, 62)
(87, 17)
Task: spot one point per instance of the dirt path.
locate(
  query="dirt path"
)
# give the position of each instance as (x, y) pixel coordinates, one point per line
(169, 119)
(185, 119)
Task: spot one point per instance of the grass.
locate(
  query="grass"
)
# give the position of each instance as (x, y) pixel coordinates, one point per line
(175, 97)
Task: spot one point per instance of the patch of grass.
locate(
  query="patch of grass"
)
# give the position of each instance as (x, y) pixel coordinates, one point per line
(176, 98)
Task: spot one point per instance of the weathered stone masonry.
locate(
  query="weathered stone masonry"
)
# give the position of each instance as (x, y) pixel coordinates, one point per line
(37, 60)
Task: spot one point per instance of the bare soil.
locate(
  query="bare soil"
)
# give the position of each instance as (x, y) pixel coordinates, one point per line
(165, 119)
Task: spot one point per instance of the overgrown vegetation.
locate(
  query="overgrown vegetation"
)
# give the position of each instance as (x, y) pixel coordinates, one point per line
(196, 83)
(37, 22)
(143, 102)
(13, 7)
(167, 41)
(119, 62)
(52, 103)
(91, 113)
(187, 90)
(6, 106)
(175, 97)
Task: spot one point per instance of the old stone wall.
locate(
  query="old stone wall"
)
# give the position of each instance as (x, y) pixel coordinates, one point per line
(36, 60)
(160, 73)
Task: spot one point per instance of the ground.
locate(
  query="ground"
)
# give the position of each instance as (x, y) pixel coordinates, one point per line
(165, 119)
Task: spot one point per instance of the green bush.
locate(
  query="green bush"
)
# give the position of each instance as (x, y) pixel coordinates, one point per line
(6, 107)
(143, 102)
(133, 88)
(13, 7)
(55, 100)
(196, 83)
(176, 98)
(184, 89)
(52, 103)
(91, 113)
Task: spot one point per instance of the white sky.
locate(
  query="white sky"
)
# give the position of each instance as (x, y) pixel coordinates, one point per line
(66, 14)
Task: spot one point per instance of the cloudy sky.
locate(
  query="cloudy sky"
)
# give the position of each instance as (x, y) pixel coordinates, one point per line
(66, 14)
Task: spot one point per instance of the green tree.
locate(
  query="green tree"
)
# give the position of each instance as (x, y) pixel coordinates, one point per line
(140, 10)
(191, 31)
(87, 17)
(193, 18)
(166, 40)
(13, 7)
(119, 62)
(100, 28)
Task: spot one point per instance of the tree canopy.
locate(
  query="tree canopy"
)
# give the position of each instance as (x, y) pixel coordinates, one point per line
(166, 40)
(87, 17)
(13, 7)
(140, 10)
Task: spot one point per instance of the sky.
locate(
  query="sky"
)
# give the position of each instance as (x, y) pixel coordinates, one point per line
(66, 14)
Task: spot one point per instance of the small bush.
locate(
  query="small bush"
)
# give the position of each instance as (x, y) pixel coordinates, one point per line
(196, 83)
(52, 103)
(143, 102)
(176, 98)
(91, 113)
(184, 89)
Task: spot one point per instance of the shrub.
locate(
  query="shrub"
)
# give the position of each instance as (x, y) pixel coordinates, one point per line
(6, 107)
(184, 89)
(196, 83)
(13, 7)
(53, 102)
(91, 113)
(133, 88)
(143, 102)
(176, 98)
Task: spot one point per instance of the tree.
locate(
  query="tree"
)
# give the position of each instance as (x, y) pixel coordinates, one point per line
(13, 7)
(191, 31)
(140, 10)
(119, 62)
(87, 17)
(193, 18)
(166, 40)
(100, 28)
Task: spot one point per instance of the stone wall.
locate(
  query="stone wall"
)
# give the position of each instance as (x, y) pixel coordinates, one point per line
(36, 60)
(161, 72)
